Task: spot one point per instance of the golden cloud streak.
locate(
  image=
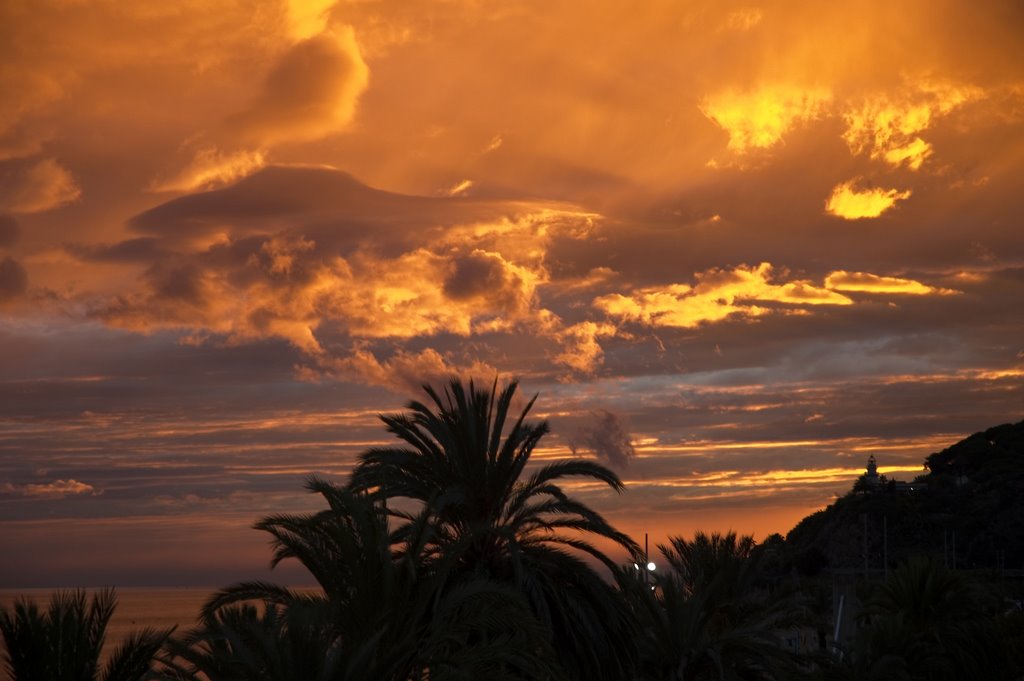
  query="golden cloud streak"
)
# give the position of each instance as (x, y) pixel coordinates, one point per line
(864, 282)
(846, 444)
(713, 445)
(459, 189)
(850, 203)
(211, 168)
(976, 374)
(779, 477)
(1000, 374)
(718, 295)
(773, 479)
(50, 490)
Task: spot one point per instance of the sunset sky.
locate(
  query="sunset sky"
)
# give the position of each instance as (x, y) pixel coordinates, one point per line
(736, 248)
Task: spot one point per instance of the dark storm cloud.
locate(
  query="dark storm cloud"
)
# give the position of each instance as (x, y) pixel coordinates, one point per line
(605, 436)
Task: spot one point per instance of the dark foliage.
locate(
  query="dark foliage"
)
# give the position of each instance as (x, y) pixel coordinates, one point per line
(65, 642)
(388, 610)
(504, 521)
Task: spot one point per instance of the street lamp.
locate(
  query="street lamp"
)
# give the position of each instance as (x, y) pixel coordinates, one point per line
(648, 565)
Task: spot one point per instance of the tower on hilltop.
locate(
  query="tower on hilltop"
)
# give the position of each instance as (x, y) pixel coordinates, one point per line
(871, 475)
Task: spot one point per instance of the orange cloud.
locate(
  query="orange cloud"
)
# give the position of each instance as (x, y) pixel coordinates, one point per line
(50, 490)
(597, 276)
(743, 19)
(473, 278)
(887, 127)
(36, 91)
(850, 203)
(864, 282)
(581, 351)
(425, 292)
(404, 372)
(310, 93)
(212, 167)
(459, 188)
(447, 266)
(98, 71)
(36, 186)
(998, 374)
(718, 295)
(307, 18)
(758, 119)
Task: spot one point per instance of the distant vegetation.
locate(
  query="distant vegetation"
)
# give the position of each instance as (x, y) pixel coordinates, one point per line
(450, 557)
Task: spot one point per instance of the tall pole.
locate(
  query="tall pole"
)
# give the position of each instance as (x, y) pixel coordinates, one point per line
(864, 517)
(885, 544)
(647, 561)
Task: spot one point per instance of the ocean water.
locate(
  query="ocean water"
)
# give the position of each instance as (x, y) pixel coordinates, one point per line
(137, 607)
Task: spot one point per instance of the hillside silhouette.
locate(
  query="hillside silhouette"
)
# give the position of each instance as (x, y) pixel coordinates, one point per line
(966, 510)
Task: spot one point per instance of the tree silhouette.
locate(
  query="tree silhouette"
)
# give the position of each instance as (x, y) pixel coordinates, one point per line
(387, 611)
(65, 642)
(931, 623)
(495, 518)
(707, 617)
(699, 561)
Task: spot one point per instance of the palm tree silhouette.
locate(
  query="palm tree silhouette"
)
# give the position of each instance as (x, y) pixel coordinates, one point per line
(65, 642)
(930, 623)
(245, 641)
(387, 610)
(697, 562)
(708, 617)
(495, 518)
